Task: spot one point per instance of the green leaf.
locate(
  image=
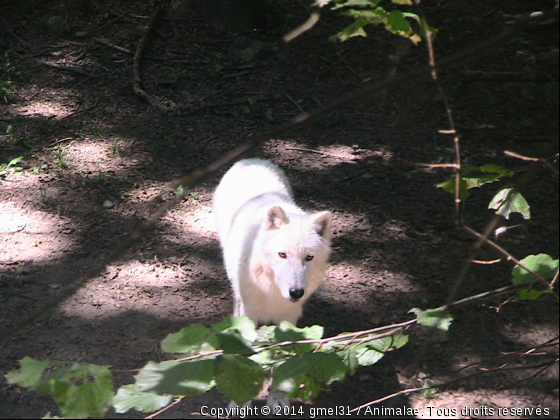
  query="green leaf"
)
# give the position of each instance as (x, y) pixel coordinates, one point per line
(449, 186)
(358, 3)
(306, 375)
(433, 318)
(288, 332)
(496, 170)
(30, 373)
(243, 325)
(397, 24)
(15, 160)
(352, 30)
(130, 397)
(190, 378)
(238, 378)
(81, 390)
(531, 294)
(269, 357)
(508, 200)
(371, 352)
(84, 391)
(187, 340)
(542, 264)
(233, 343)
(489, 174)
(403, 2)
(366, 356)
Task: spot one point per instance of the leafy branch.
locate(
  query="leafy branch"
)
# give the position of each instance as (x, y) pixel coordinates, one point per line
(373, 12)
(300, 360)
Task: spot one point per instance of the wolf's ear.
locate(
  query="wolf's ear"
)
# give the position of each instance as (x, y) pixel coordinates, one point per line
(276, 218)
(321, 222)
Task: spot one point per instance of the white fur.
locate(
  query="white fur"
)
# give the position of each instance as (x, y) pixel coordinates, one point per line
(269, 244)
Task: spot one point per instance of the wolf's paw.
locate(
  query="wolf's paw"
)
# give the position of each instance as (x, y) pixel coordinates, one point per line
(277, 401)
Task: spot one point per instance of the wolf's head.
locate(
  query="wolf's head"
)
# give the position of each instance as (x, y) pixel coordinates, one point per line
(297, 248)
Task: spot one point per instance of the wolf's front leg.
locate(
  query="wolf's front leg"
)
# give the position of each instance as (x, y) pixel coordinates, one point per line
(238, 307)
(277, 401)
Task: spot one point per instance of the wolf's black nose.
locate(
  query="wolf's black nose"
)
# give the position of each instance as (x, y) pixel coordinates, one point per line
(296, 294)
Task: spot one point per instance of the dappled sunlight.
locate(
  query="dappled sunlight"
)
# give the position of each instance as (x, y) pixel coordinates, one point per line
(93, 156)
(131, 286)
(197, 218)
(43, 108)
(322, 156)
(31, 235)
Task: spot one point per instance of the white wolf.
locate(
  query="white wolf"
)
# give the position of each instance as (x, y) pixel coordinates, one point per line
(275, 253)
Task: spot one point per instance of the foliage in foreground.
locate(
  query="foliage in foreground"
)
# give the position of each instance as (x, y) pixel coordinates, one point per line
(378, 12)
(234, 357)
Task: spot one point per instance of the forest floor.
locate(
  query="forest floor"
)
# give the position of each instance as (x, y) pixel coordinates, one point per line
(94, 155)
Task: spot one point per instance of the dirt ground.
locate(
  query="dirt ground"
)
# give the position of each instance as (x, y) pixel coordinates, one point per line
(94, 154)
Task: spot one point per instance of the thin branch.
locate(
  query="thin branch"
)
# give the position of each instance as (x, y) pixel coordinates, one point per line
(136, 80)
(305, 26)
(359, 337)
(509, 257)
(531, 159)
(67, 69)
(518, 353)
(319, 152)
(451, 382)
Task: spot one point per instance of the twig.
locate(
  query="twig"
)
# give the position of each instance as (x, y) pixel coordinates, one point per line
(80, 111)
(294, 102)
(518, 354)
(60, 141)
(359, 337)
(319, 152)
(113, 46)
(136, 80)
(509, 257)
(146, 56)
(66, 68)
(448, 383)
(211, 106)
(305, 26)
(532, 159)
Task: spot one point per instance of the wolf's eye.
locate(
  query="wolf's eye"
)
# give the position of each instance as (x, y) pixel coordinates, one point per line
(282, 255)
(309, 258)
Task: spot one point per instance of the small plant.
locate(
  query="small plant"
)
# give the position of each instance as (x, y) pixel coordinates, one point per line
(97, 130)
(6, 168)
(506, 201)
(215, 71)
(115, 149)
(7, 71)
(46, 124)
(80, 133)
(11, 138)
(87, 182)
(180, 191)
(61, 157)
